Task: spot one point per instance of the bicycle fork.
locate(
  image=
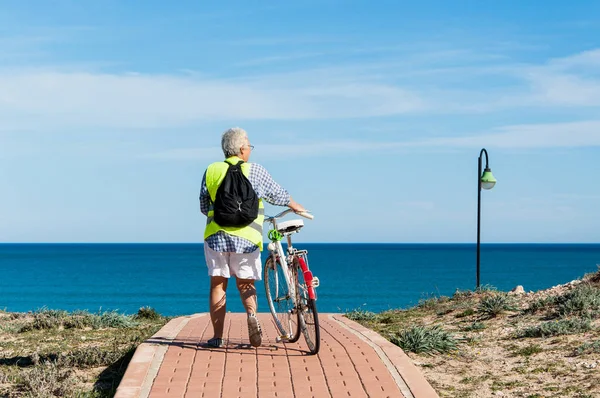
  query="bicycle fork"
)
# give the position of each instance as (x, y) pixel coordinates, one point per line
(312, 282)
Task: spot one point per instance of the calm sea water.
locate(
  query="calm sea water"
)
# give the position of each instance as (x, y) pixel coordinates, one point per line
(172, 278)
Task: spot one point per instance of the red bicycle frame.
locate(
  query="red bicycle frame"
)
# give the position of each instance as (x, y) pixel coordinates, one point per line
(308, 277)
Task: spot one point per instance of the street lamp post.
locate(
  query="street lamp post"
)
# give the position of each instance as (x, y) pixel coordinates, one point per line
(485, 181)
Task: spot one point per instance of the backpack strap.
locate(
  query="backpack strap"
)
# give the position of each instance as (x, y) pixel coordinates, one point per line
(238, 164)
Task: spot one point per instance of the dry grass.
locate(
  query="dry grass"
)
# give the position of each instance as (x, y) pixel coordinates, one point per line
(52, 353)
(542, 344)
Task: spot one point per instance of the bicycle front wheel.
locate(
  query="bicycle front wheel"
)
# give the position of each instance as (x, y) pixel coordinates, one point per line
(308, 318)
(280, 301)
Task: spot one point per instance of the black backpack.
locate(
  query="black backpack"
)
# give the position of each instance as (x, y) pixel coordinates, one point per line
(236, 202)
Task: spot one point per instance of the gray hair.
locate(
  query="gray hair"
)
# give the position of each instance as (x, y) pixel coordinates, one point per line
(233, 140)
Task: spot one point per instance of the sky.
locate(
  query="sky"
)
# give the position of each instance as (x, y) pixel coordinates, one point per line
(371, 114)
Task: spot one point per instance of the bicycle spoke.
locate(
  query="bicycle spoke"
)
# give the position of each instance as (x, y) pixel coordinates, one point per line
(280, 301)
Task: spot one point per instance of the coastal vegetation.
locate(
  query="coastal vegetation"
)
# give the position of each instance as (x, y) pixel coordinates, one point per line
(488, 343)
(481, 343)
(53, 353)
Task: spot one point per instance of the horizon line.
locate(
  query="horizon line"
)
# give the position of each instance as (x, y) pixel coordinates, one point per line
(307, 243)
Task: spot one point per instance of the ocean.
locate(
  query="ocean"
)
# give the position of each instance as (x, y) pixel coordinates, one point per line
(172, 278)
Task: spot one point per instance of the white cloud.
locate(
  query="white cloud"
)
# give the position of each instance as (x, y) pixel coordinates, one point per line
(46, 100)
(551, 135)
(568, 81)
(586, 59)
(526, 136)
(42, 100)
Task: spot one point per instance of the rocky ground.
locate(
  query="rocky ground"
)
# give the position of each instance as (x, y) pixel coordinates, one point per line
(503, 344)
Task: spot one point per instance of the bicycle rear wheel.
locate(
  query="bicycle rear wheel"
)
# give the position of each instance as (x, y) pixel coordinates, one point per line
(280, 300)
(308, 317)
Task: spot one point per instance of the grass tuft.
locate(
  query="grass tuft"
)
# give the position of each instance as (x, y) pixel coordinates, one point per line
(112, 319)
(147, 313)
(474, 327)
(46, 380)
(495, 304)
(582, 301)
(529, 350)
(361, 315)
(542, 304)
(4, 378)
(433, 302)
(588, 348)
(93, 356)
(45, 319)
(425, 340)
(462, 294)
(557, 328)
(486, 288)
(465, 313)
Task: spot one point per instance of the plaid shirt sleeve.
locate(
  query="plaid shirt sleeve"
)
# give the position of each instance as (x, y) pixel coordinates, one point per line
(205, 201)
(266, 188)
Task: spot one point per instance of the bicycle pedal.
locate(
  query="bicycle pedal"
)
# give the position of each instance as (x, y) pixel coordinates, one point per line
(280, 339)
(315, 282)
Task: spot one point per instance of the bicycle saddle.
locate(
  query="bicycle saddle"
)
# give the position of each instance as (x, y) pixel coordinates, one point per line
(290, 226)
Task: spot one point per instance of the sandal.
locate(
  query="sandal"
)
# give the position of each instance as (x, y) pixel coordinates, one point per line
(215, 342)
(254, 331)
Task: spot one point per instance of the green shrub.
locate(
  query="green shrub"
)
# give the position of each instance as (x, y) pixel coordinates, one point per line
(467, 312)
(432, 302)
(529, 350)
(542, 304)
(385, 317)
(588, 348)
(426, 340)
(44, 319)
(496, 304)
(462, 294)
(81, 320)
(444, 311)
(361, 315)
(46, 380)
(583, 301)
(557, 328)
(93, 356)
(112, 319)
(474, 327)
(147, 313)
(486, 288)
(4, 378)
(51, 319)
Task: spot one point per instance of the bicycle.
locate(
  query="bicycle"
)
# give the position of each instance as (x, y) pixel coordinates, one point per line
(290, 285)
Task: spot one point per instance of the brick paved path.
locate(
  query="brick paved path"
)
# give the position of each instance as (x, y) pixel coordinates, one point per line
(353, 362)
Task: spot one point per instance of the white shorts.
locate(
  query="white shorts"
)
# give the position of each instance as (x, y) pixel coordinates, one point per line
(241, 265)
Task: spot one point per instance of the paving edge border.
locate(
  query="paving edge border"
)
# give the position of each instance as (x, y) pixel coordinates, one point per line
(411, 382)
(143, 367)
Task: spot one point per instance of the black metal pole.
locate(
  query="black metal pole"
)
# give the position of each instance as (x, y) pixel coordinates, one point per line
(483, 151)
(478, 215)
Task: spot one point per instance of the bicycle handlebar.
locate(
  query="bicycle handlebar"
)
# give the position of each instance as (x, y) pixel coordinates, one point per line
(305, 214)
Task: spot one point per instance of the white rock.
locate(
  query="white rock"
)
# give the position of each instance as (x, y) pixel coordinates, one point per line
(518, 290)
(499, 393)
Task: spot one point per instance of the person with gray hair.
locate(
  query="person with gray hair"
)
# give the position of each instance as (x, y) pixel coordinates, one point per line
(235, 251)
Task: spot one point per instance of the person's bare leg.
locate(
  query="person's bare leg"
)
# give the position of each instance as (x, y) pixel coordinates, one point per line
(248, 294)
(218, 300)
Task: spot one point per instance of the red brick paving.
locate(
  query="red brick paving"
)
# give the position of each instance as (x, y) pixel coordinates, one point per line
(353, 362)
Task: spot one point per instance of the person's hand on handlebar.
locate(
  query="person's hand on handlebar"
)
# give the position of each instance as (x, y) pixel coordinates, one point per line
(297, 207)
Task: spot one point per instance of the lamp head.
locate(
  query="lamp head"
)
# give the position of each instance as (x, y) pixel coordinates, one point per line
(487, 179)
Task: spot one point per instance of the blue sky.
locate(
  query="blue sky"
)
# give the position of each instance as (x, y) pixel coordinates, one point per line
(371, 114)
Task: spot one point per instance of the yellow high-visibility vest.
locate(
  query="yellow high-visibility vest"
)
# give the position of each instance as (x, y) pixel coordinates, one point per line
(215, 173)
